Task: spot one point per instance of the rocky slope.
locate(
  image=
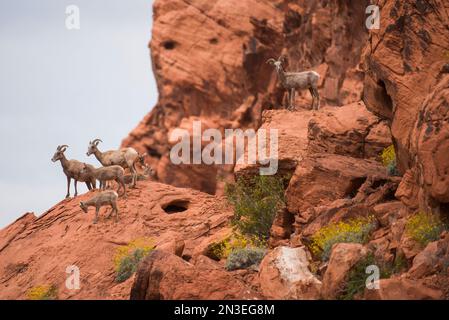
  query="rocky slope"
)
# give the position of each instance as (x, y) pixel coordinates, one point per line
(383, 87)
(36, 251)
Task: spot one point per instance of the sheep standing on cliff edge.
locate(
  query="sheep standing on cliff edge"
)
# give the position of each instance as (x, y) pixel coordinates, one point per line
(297, 80)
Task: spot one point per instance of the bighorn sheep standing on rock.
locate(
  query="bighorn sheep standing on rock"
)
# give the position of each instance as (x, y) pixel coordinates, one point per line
(297, 80)
(104, 198)
(104, 174)
(125, 157)
(72, 169)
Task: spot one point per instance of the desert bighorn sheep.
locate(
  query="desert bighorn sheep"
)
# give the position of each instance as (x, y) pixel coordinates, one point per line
(297, 80)
(125, 157)
(72, 170)
(105, 174)
(104, 198)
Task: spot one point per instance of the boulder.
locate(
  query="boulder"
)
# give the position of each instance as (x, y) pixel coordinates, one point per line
(324, 178)
(343, 257)
(401, 288)
(350, 130)
(284, 274)
(164, 276)
(434, 258)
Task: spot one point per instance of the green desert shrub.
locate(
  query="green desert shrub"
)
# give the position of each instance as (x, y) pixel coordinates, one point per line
(424, 228)
(127, 257)
(356, 230)
(256, 202)
(356, 280)
(244, 258)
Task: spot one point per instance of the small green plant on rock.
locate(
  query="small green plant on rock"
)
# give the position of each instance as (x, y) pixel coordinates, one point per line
(256, 202)
(355, 283)
(424, 228)
(244, 258)
(127, 257)
(356, 230)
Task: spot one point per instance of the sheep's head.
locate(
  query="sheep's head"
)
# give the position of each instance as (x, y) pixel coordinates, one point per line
(83, 207)
(277, 63)
(149, 171)
(93, 146)
(59, 154)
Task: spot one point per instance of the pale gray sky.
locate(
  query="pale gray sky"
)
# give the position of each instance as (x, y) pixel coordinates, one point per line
(60, 86)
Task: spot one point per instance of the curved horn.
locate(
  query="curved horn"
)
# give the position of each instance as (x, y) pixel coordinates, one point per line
(271, 61)
(63, 146)
(96, 141)
(282, 59)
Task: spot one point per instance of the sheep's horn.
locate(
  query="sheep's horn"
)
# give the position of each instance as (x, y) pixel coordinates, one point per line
(282, 58)
(63, 146)
(96, 141)
(271, 60)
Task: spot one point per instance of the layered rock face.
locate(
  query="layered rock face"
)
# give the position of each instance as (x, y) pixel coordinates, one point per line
(209, 63)
(406, 82)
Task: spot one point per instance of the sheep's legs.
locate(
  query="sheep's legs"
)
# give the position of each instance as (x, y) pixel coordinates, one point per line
(76, 187)
(291, 98)
(68, 187)
(88, 186)
(97, 209)
(317, 96)
(313, 97)
(114, 208)
(133, 170)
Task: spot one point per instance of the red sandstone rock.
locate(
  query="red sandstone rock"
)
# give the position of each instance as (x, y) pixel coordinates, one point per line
(343, 257)
(401, 288)
(36, 251)
(218, 72)
(163, 276)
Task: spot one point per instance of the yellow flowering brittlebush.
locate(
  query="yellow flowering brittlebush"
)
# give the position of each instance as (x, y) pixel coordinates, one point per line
(43, 292)
(355, 230)
(221, 250)
(424, 228)
(388, 155)
(127, 257)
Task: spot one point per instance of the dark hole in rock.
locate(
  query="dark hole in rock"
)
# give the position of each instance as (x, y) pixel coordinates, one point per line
(354, 187)
(389, 196)
(186, 257)
(176, 206)
(213, 41)
(385, 97)
(378, 183)
(169, 44)
(444, 211)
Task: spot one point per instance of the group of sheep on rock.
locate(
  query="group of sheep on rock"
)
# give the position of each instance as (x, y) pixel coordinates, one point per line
(114, 164)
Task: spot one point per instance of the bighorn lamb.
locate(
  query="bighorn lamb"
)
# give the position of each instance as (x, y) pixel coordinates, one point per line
(297, 80)
(125, 157)
(105, 174)
(101, 199)
(72, 169)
